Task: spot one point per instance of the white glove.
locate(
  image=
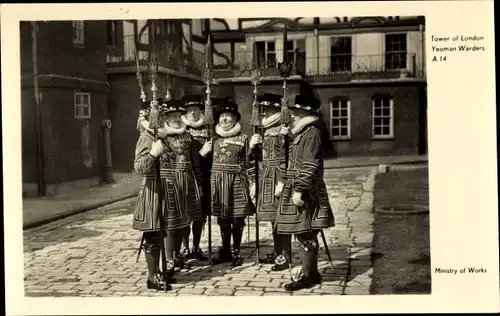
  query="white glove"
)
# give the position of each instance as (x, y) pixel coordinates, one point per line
(297, 199)
(285, 130)
(278, 189)
(156, 148)
(207, 147)
(252, 190)
(256, 139)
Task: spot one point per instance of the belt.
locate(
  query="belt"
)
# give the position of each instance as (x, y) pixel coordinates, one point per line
(226, 168)
(271, 163)
(292, 173)
(164, 172)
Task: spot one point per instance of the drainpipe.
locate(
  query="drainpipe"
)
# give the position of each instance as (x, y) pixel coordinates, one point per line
(107, 172)
(316, 33)
(422, 50)
(40, 161)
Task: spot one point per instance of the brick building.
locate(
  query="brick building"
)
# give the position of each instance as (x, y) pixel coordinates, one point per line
(72, 98)
(369, 73)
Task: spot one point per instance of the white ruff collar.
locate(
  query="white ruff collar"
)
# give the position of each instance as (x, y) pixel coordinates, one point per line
(232, 132)
(271, 120)
(165, 130)
(199, 123)
(303, 122)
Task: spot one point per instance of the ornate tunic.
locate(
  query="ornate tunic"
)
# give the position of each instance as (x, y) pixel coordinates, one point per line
(179, 178)
(232, 171)
(200, 136)
(305, 175)
(272, 161)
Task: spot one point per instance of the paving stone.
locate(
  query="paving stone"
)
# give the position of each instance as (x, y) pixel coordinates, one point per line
(219, 292)
(248, 293)
(191, 291)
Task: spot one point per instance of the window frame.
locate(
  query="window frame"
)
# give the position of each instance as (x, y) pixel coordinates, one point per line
(334, 55)
(114, 34)
(267, 51)
(395, 52)
(391, 117)
(75, 26)
(331, 103)
(76, 105)
(291, 51)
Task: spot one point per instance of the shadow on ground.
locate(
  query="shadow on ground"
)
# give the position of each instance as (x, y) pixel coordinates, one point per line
(341, 257)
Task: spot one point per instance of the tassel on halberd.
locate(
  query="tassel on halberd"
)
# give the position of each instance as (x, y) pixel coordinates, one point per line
(285, 115)
(255, 120)
(154, 118)
(209, 115)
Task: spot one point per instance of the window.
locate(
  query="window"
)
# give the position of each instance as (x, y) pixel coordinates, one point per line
(395, 51)
(340, 54)
(78, 32)
(383, 117)
(266, 54)
(340, 118)
(290, 51)
(82, 105)
(112, 35)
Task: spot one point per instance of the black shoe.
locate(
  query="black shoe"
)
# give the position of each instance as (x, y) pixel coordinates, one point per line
(222, 256)
(280, 264)
(198, 254)
(279, 267)
(157, 284)
(303, 283)
(179, 262)
(237, 260)
(170, 277)
(269, 259)
(186, 254)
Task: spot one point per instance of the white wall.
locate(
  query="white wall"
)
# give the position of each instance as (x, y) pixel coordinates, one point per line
(368, 49)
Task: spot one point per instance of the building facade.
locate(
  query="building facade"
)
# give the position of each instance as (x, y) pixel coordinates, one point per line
(368, 72)
(69, 95)
(180, 72)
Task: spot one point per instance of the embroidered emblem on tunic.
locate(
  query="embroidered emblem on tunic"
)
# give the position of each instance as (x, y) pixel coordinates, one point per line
(179, 149)
(201, 132)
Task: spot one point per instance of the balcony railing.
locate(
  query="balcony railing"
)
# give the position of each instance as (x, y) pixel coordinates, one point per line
(241, 64)
(344, 68)
(189, 62)
(339, 68)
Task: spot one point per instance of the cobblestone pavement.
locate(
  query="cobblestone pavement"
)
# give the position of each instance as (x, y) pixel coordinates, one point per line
(94, 253)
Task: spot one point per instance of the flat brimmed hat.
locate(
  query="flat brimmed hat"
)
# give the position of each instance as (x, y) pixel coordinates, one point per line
(269, 99)
(308, 104)
(193, 100)
(171, 106)
(227, 105)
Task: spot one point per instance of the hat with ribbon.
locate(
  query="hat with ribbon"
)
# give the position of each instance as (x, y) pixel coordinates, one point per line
(308, 104)
(193, 100)
(269, 99)
(170, 106)
(226, 105)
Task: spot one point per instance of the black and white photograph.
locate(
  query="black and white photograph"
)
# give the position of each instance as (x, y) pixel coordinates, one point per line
(291, 155)
(242, 151)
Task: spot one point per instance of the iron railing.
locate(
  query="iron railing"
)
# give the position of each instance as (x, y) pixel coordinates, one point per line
(337, 68)
(341, 68)
(242, 62)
